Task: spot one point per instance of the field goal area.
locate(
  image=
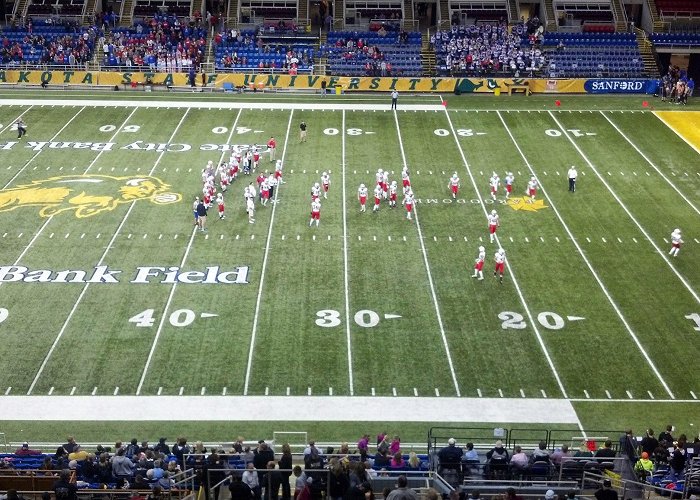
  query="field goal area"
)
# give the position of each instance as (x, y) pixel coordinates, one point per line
(297, 440)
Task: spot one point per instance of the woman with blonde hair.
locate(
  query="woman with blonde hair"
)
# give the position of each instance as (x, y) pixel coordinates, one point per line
(413, 461)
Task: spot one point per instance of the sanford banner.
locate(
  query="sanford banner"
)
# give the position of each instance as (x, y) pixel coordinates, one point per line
(433, 84)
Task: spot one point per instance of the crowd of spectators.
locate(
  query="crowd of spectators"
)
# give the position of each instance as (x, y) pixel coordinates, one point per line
(163, 43)
(488, 49)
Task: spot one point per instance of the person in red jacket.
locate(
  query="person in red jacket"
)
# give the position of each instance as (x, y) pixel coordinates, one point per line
(25, 451)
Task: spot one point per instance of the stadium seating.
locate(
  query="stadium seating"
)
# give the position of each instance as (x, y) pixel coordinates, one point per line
(672, 39)
(678, 7)
(47, 44)
(593, 54)
(249, 50)
(400, 57)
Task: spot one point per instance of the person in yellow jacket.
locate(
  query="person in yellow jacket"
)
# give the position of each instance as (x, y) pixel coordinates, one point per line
(644, 467)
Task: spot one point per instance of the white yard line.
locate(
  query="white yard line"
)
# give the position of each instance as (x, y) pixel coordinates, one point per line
(9, 125)
(164, 315)
(114, 136)
(266, 254)
(652, 165)
(695, 148)
(99, 263)
(289, 408)
(590, 266)
(624, 207)
(345, 265)
(427, 268)
(533, 323)
(39, 152)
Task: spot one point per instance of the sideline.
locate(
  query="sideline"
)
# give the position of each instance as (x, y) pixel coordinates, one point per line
(288, 408)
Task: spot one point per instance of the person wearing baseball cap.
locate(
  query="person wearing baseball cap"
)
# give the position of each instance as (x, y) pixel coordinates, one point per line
(25, 451)
(606, 492)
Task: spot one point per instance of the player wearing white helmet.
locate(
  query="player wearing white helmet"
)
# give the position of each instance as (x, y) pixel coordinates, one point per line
(408, 202)
(676, 242)
(508, 184)
(278, 171)
(315, 191)
(264, 190)
(454, 185)
(494, 222)
(532, 188)
(220, 203)
(500, 259)
(378, 194)
(379, 176)
(405, 179)
(392, 194)
(494, 182)
(326, 183)
(315, 212)
(362, 196)
(385, 183)
(479, 264)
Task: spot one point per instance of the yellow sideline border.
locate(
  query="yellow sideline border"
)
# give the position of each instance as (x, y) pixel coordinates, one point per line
(217, 80)
(685, 124)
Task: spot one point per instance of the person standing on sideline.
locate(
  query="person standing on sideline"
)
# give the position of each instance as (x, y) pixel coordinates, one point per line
(394, 99)
(271, 147)
(201, 215)
(572, 179)
(21, 128)
(302, 131)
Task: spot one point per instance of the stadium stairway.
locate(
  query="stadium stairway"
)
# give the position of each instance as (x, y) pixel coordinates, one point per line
(513, 15)
(619, 16)
(427, 57)
(338, 13)
(649, 56)
(126, 18)
(408, 15)
(444, 12)
(232, 14)
(20, 9)
(303, 13)
(550, 16)
(89, 16)
(657, 23)
(196, 6)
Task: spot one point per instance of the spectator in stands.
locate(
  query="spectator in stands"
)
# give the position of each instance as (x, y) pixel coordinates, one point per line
(162, 447)
(70, 444)
(272, 481)
(677, 462)
(606, 451)
(78, 454)
(397, 461)
(263, 456)
(338, 481)
(628, 445)
(180, 449)
(666, 435)
(583, 451)
(661, 455)
(497, 459)
(285, 464)
(250, 477)
(402, 491)
(519, 461)
(64, 489)
(381, 458)
(541, 454)
(450, 457)
(560, 455)
(122, 467)
(413, 461)
(644, 467)
(300, 480)
(649, 442)
(606, 492)
(238, 489)
(25, 451)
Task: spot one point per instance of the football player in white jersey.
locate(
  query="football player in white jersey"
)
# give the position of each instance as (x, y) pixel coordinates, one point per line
(315, 191)
(676, 242)
(494, 222)
(454, 185)
(362, 196)
(408, 202)
(479, 264)
(500, 259)
(378, 194)
(325, 183)
(379, 176)
(392, 194)
(220, 203)
(278, 171)
(405, 179)
(315, 212)
(385, 183)
(532, 186)
(508, 184)
(494, 182)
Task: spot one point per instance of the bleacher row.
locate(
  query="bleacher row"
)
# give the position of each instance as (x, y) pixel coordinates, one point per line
(47, 44)
(687, 7)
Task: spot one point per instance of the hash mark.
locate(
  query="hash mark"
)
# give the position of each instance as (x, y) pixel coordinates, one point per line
(238, 236)
(629, 394)
(522, 393)
(308, 389)
(541, 239)
(449, 238)
(545, 173)
(82, 236)
(634, 173)
(437, 393)
(283, 237)
(129, 237)
(389, 238)
(175, 237)
(527, 240)
(20, 235)
(478, 391)
(544, 394)
(557, 238)
(585, 393)
(330, 391)
(50, 236)
(160, 391)
(465, 238)
(375, 237)
(203, 391)
(66, 236)
(288, 390)
(618, 239)
(145, 235)
(404, 238)
(72, 391)
(588, 239)
(415, 391)
(393, 391)
(94, 390)
(691, 393)
(434, 238)
(359, 238)
(634, 239)
(267, 391)
(647, 173)
(116, 390)
(4, 235)
(7, 391)
(607, 393)
(252, 236)
(373, 393)
(696, 240)
(221, 236)
(51, 391)
(206, 236)
(182, 390)
(329, 237)
(650, 394)
(500, 392)
(298, 237)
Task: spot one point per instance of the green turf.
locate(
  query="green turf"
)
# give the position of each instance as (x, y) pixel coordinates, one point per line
(452, 334)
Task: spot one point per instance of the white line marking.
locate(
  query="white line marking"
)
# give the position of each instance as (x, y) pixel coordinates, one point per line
(607, 394)
(94, 391)
(116, 391)
(223, 391)
(677, 133)
(593, 271)
(164, 315)
(72, 391)
(522, 393)
(478, 391)
(203, 391)
(308, 391)
(393, 391)
(160, 390)
(38, 152)
(288, 391)
(540, 340)
(51, 391)
(544, 394)
(373, 392)
(585, 393)
(692, 394)
(500, 392)
(629, 214)
(427, 266)
(650, 394)
(7, 391)
(264, 267)
(346, 279)
(629, 394)
(267, 391)
(415, 392)
(182, 391)
(437, 393)
(114, 136)
(651, 164)
(330, 391)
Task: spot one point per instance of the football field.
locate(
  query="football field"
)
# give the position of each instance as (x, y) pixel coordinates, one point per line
(107, 288)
